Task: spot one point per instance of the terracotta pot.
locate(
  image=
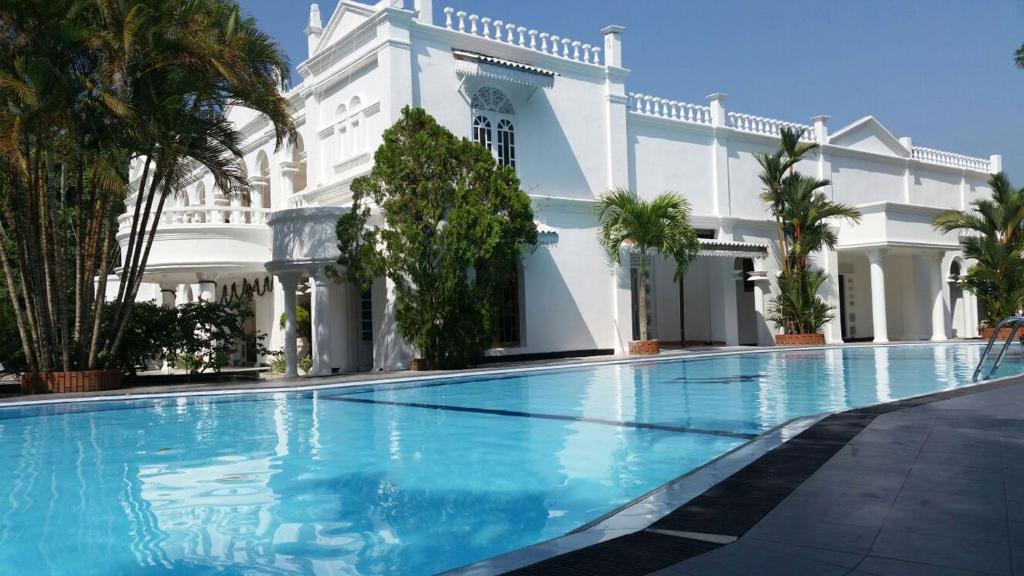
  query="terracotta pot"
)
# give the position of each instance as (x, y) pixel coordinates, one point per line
(63, 382)
(419, 364)
(816, 339)
(643, 347)
(987, 331)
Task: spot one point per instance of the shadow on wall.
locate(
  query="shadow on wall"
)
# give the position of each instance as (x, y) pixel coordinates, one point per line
(554, 319)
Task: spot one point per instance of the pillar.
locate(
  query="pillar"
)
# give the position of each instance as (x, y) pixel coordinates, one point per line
(207, 291)
(321, 315)
(876, 257)
(719, 157)
(762, 291)
(424, 11)
(935, 281)
(168, 295)
(289, 284)
(724, 318)
(260, 197)
(314, 30)
(828, 260)
(288, 172)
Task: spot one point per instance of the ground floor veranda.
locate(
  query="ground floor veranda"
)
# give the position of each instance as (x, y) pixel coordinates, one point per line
(880, 294)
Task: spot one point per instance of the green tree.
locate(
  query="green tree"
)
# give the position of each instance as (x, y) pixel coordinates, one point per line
(85, 87)
(803, 214)
(661, 226)
(991, 234)
(451, 230)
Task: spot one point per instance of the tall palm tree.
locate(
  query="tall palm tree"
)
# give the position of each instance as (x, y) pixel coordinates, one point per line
(992, 235)
(806, 214)
(661, 225)
(86, 86)
(775, 167)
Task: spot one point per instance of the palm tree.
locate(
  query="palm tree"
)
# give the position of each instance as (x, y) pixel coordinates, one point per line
(85, 87)
(774, 169)
(661, 225)
(992, 235)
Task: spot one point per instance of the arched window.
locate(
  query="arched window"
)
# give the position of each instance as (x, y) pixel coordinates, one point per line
(342, 131)
(482, 131)
(506, 143)
(355, 132)
(493, 124)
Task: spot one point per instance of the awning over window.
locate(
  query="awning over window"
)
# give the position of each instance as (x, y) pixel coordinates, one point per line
(725, 249)
(473, 64)
(546, 235)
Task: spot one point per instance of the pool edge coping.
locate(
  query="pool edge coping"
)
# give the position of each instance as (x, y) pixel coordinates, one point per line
(231, 390)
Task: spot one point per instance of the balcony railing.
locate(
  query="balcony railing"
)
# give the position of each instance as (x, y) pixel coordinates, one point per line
(205, 215)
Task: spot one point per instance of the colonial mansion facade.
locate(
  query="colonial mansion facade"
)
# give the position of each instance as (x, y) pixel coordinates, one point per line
(562, 113)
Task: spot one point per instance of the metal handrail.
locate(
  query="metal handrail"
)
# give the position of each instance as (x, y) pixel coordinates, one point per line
(1017, 321)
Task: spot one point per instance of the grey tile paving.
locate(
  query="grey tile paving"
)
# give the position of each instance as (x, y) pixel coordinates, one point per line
(936, 489)
(889, 567)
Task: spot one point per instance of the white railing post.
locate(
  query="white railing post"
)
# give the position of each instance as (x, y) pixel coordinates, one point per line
(995, 163)
(821, 128)
(613, 46)
(717, 101)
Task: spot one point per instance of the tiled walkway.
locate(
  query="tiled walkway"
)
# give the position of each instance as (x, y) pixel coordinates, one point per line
(911, 488)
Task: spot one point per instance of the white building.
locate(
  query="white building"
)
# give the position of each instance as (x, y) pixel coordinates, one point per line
(562, 112)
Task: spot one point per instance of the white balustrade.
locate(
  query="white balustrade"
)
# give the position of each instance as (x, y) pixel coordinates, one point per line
(766, 126)
(509, 33)
(942, 158)
(669, 109)
(204, 215)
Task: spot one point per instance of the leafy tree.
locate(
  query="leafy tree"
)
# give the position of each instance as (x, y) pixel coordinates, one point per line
(802, 214)
(661, 225)
(451, 230)
(992, 235)
(86, 86)
(1018, 56)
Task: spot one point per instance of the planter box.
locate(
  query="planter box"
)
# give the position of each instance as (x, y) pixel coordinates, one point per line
(643, 347)
(419, 365)
(987, 331)
(815, 339)
(63, 382)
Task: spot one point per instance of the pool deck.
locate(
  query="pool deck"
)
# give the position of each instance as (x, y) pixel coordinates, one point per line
(931, 485)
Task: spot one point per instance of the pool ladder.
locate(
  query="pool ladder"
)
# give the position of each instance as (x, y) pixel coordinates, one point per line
(1015, 322)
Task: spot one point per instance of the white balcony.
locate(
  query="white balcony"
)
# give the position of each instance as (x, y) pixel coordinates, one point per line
(206, 242)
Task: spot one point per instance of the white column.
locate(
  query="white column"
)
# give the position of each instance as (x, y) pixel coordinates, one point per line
(321, 315)
(724, 317)
(288, 172)
(762, 290)
(260, 188)
(936, 281)
(168, 296)
(289, 284)
(876, 257)
(207, 290)
(719, 157)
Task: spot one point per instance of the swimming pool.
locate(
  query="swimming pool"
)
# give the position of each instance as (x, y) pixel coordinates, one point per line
(409, 478)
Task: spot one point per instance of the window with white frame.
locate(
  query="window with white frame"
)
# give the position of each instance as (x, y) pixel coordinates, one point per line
(493, 122)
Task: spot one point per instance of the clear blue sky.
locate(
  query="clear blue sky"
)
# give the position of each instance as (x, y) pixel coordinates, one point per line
(939, 71)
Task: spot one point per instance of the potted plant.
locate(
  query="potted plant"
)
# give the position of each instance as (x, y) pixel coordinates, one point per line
(803, 215)
(661, 226)
(991, 236)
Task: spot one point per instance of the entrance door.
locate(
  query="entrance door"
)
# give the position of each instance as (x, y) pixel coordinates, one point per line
(365, 355)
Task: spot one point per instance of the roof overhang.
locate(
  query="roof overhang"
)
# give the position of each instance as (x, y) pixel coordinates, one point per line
(472, 64)
(727, 249)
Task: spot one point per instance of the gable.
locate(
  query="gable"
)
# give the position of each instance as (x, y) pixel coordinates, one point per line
(347, 16)
(868, 135)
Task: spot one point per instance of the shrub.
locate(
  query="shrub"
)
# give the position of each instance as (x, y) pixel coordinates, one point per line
(455, 225)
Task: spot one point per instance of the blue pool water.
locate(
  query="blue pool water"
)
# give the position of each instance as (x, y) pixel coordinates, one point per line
(411, 478)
